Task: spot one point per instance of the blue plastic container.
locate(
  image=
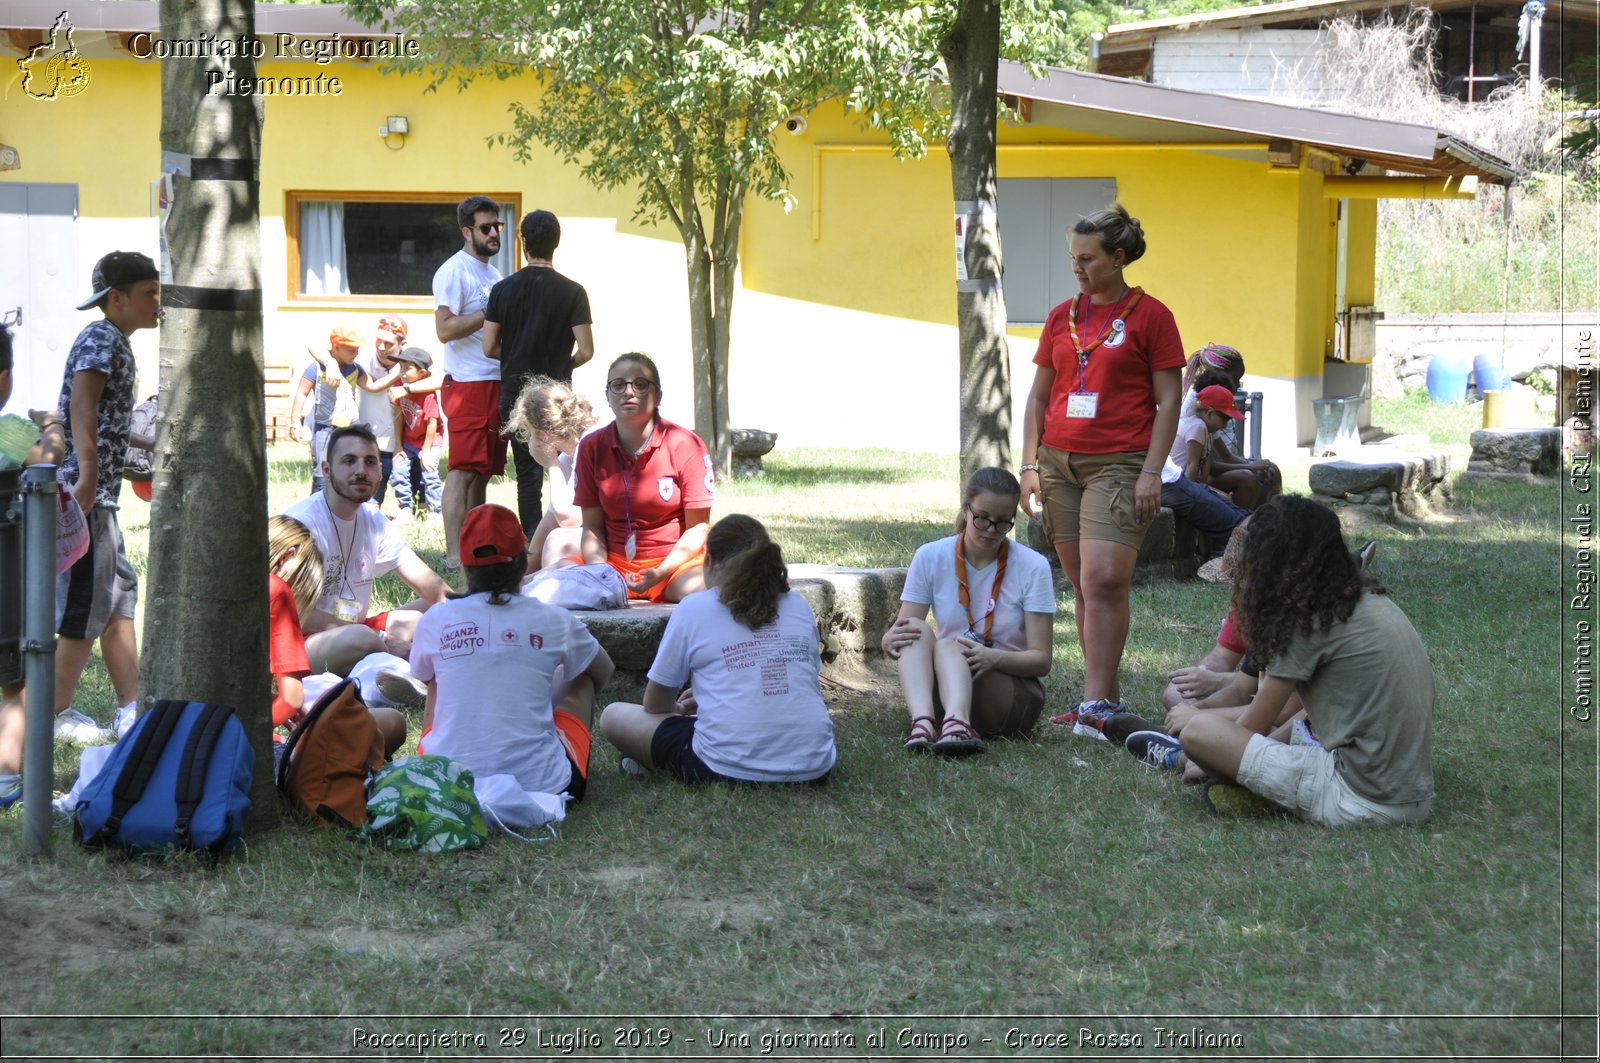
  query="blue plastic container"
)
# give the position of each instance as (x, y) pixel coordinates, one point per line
(1490, 372)
(1447, 377)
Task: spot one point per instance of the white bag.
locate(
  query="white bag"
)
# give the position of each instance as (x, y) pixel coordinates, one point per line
(72, 532)
(508, 806)
(578, 587)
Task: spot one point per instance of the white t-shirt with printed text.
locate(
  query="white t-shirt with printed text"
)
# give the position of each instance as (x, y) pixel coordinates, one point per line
(761, 717)
(354, 552)
(462, 286)
(495, 667)
(1027, 588)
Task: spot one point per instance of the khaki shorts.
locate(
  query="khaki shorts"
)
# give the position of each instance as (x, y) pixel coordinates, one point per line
(1306, 780)
(1090, 496)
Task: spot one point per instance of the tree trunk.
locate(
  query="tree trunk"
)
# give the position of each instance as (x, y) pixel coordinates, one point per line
(205, 636)
(971, 52)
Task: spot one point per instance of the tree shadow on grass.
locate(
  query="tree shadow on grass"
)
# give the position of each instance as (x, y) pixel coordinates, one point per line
(823, 540)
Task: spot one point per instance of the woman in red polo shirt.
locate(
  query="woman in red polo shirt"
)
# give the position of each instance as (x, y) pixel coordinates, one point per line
(645, 487)
(1099, 422)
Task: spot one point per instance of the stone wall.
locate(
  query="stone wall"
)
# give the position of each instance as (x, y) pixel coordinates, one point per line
(1533, 343)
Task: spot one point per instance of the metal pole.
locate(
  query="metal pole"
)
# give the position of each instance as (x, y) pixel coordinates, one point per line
(1255, 426)
(39, 509)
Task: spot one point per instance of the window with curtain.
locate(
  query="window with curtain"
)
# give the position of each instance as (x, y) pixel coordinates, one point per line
(371, 247)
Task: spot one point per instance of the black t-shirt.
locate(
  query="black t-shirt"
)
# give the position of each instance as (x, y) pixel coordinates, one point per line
(537, 309)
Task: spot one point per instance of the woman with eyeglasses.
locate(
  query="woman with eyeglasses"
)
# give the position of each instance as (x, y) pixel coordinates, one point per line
(1096, 431)
(645, 487)
(994, 602)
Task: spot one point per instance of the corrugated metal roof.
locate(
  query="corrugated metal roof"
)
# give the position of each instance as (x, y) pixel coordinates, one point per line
(1139, 111)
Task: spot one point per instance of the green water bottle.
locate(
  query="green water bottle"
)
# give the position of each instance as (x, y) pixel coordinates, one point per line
(17, 436)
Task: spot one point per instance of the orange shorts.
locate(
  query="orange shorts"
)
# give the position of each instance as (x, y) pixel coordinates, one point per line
(626, 568)
(571, 732)
(472, 410)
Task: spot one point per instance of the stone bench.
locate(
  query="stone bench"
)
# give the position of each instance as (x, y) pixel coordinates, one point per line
(1409, 486)
(1531, 455)
(853, 606)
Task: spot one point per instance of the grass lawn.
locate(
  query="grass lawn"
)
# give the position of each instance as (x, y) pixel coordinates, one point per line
(1052, 896)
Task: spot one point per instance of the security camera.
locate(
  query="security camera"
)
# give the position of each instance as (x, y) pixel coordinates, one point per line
(795, 124)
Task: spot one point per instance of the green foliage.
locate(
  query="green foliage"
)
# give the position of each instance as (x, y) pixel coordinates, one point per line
(1582, 144)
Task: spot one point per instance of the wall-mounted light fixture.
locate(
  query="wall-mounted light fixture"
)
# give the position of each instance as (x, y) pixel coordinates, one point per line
(396, 125)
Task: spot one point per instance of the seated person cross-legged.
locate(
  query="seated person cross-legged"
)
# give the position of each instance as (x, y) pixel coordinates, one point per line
(750, 645)
(993, 601)
(491, 659)
(1322, 629)
(645, 487)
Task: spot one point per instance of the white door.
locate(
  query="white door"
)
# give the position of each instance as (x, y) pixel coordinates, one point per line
(39, 273)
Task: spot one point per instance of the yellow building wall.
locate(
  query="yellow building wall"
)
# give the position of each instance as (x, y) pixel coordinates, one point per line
(846, 297)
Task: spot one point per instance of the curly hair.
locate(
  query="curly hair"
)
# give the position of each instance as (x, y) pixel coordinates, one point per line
(1296, 575)
(1118, 231)
(751, 576)
(546, 404)
(289, 543)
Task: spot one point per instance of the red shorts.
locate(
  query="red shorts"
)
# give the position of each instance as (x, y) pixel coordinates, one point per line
(378, 621)
(626, 568)
(472, 410)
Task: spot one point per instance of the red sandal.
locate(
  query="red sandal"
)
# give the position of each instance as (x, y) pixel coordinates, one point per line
(922, 735)
(958, 739)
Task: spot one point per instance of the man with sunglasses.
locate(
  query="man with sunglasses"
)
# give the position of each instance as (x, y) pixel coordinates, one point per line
(537, 324)
(470, 394)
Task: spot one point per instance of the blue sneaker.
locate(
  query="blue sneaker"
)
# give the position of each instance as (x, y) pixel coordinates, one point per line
(10, 791)
(1092, 717)
(1155, 748)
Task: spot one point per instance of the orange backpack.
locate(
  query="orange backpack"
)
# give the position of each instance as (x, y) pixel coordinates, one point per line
(329, 758)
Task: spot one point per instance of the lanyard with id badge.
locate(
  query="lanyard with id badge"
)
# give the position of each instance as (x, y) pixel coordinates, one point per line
(1081, 402)
(345, 609)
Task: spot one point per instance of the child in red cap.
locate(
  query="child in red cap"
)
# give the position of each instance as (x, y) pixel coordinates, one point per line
(511, 681)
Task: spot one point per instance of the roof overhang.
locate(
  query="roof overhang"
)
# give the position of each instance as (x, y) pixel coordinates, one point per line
(1119, 111)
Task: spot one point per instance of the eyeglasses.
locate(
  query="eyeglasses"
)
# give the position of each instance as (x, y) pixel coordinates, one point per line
(988, 524)
(642, 386)
(489, 228)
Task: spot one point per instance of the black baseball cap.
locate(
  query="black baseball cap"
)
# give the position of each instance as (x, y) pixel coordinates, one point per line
(119, 269)
(416, 356)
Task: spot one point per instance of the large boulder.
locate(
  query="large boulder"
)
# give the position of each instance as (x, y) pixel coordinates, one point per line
(1406, 485)
(1530, 451)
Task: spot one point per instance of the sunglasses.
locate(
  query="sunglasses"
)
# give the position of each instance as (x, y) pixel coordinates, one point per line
(489, 228)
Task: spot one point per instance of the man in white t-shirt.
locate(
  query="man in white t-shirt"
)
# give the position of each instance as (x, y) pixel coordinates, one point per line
(358, 544)
(470, 394)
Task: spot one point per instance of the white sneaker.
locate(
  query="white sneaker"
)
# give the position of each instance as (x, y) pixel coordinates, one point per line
(74, 726)
(403, 689)
(126, 717)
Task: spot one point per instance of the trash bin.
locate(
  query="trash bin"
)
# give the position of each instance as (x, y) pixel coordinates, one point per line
(1447, 377)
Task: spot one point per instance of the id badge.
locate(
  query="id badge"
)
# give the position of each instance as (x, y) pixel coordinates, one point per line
(1082, 403)
(631, 547)
(347, 610)
(973, 636)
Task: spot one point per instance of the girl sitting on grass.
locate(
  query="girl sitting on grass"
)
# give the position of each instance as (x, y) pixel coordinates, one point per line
(756, 714)
(1321, 628)
(550, 418)
(993, 601)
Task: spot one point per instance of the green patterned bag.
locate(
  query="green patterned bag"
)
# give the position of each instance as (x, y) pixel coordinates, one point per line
(425, 803)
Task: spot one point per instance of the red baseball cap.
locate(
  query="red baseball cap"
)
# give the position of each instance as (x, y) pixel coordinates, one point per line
(491, 535)
(1216, 397)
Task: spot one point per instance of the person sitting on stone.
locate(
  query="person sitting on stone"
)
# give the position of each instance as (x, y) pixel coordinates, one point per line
(550, 419)
(1185, 476)
(1248, 483)
(749, 644)
(1322, 629)
(994, 601)
(645, 486)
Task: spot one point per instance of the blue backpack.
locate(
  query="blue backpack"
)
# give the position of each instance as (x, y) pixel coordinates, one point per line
(180, 779)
